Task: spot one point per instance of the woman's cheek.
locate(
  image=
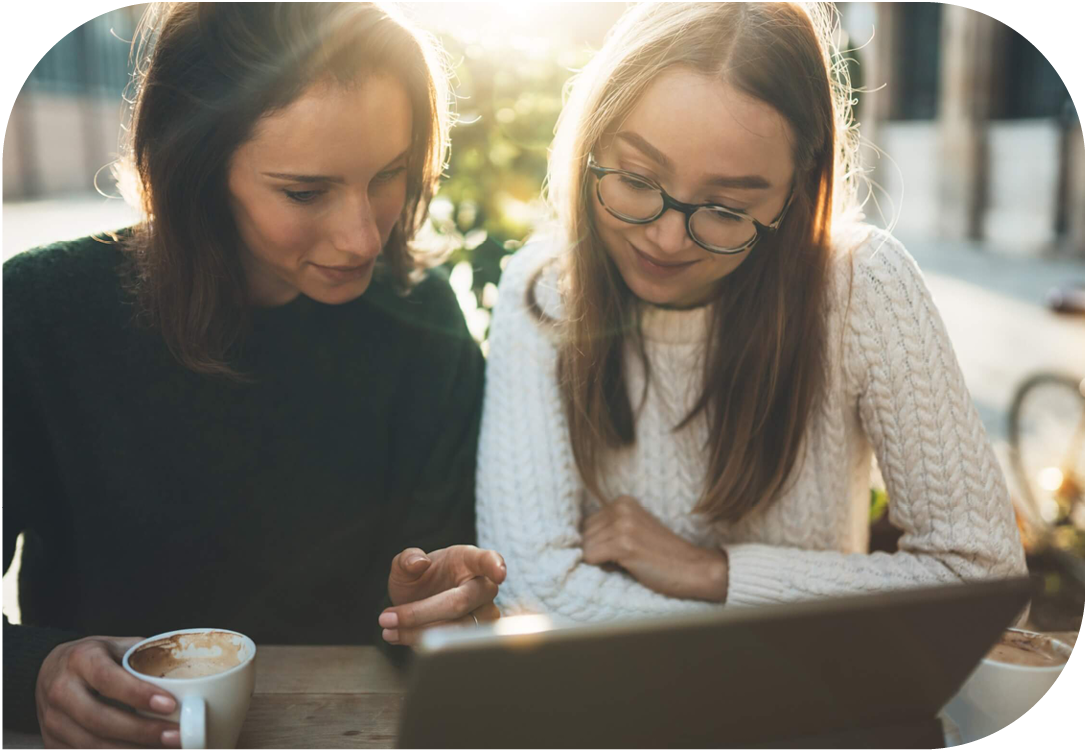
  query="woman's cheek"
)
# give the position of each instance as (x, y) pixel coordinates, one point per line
(389, 207)
(288, 229)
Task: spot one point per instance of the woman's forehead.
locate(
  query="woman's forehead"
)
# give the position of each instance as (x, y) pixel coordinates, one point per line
(356, 127)
(706, 127)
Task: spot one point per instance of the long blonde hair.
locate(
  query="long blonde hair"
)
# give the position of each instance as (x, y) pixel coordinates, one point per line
(765, 359)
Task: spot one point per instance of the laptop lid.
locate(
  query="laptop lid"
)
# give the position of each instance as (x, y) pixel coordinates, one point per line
(737, 677)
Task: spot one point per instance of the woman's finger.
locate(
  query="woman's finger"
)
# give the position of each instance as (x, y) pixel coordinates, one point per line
(484, 615)
(600, 519)
(597, 532)
(118, 646)
(67, 731)
(487, 613)
(118, 727)
(96, 667)
(484, 562)
(50, 742)
(411, 636)
(409, 565)
(600, 548)
(451, 604)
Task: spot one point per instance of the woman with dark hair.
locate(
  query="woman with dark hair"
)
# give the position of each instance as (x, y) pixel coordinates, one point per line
(687, 383)
(240, 410)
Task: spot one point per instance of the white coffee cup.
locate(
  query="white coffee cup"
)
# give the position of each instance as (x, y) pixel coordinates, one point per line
(997, 694)
(211, 706)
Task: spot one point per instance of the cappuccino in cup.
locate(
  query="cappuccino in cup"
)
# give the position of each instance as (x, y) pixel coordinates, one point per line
(210, 672)
(187, 655)
(1015, 674)
(1029, 650)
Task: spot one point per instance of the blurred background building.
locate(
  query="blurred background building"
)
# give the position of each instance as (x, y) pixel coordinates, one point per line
(982, 139)
(974, 152)
(65, 123)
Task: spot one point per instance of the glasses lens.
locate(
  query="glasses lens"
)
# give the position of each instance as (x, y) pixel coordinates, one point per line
(720, 229)
(630, 197)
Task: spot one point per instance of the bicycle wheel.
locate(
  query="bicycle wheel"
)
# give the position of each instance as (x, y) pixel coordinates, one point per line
(1047, 441)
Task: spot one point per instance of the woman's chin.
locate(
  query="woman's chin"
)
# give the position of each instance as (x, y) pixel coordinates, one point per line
(339, 294)
(653, 293)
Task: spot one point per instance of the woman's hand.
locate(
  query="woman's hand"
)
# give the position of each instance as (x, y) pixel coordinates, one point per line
(71, 682)
(452, 585)
(626, 534)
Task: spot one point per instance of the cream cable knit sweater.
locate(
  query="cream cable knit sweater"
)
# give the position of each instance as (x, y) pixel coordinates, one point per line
(895, 387)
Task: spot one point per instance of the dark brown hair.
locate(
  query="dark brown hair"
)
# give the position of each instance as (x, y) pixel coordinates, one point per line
(766, 352)
(205, 74)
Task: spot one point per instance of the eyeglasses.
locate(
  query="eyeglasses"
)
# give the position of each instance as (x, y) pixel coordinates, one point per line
(718, 229)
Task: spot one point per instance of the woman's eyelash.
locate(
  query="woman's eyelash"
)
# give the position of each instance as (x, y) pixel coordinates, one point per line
(308, 196)
(389, 174)
(639, 173)
(725, 204)
(647, 181)
(636, 184)
(303, 196)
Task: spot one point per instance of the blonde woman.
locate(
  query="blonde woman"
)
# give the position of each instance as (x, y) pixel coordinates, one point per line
(687, 382)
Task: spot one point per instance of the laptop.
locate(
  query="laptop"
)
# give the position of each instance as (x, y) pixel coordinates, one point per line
(862, 671)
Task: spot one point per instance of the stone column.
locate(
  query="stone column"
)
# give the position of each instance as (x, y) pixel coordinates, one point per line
(1075, 190)
(22, 177)
(878, 106)
(969, 79)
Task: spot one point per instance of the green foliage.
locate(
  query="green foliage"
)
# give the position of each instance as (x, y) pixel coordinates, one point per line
(879, 503)
(508, 101)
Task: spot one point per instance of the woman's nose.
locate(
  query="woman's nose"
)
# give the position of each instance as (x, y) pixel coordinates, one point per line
(356, 230)
(668, 232)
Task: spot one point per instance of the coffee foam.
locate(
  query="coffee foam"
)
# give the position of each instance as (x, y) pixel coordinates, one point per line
(189, 655)
(1029, 650)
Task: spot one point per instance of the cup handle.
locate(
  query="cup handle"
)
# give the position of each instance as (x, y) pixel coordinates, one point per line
(193, 722)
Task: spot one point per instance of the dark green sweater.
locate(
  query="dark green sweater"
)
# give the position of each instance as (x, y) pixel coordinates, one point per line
(153, 498)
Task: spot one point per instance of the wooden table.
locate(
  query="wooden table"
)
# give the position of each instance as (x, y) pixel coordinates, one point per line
(324, 696)
(312, 696)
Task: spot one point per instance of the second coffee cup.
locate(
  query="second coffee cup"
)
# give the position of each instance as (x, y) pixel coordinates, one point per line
(210, 671)
(1015, 674)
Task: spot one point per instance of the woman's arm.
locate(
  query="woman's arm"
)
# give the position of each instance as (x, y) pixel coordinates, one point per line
(51, 675)
(29, 480)
(529, 490)
(435, 575)
(434, 433)
(947, 493)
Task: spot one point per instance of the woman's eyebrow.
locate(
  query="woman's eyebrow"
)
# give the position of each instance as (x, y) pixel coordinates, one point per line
(305, 177)
(338, 179)
(402, 155)
(743, 182)
(638, 142)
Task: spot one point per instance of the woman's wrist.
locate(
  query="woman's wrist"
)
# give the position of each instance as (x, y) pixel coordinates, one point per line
(715, 575)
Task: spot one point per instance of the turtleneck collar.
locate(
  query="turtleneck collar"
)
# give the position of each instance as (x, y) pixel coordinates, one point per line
(665, 325)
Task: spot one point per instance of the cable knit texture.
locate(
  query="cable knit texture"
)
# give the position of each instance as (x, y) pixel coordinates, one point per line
(894, 389)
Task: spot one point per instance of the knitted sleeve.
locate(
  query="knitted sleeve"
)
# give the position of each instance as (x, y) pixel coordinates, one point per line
(528, 488)
(947, 493)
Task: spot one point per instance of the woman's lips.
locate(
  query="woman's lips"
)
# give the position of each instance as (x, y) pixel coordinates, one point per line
(342, 274)
(658, 269)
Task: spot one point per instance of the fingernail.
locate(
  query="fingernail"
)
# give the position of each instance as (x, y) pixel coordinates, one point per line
(389, 620)
(414, 560)
(163, 704)
(392, 636)
(171, 738)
